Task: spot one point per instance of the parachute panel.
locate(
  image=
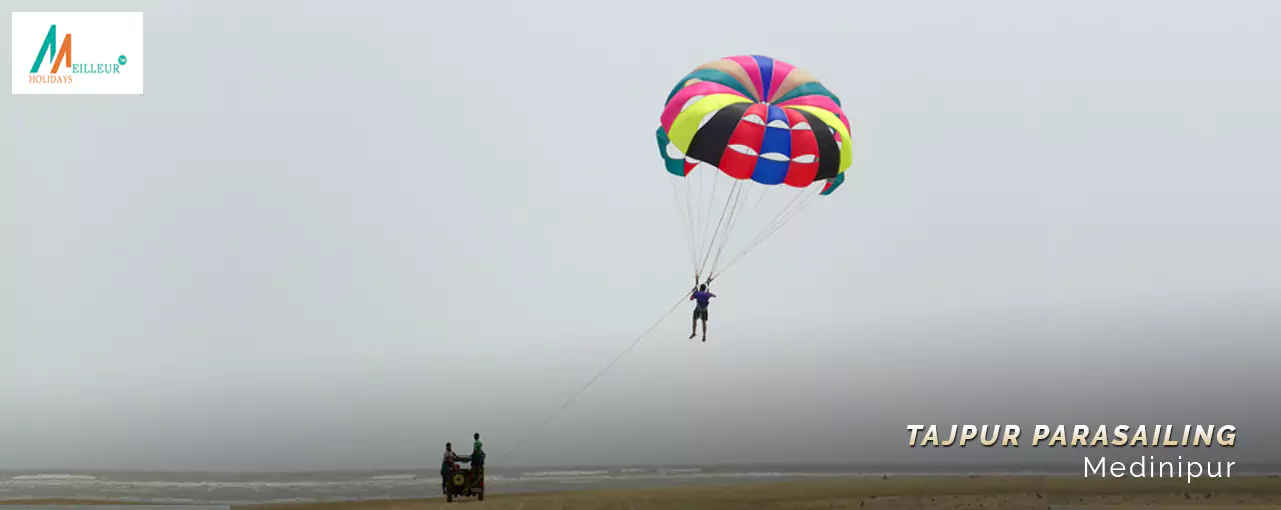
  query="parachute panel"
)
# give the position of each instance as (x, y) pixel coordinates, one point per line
(673, 159)
(832, 184)
(713, 76)
(802, 170)
(796, 80)
(688, 121)
(692, 94)
(833, 122)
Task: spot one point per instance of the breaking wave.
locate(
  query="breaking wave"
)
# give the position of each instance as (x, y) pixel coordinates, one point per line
(53, 478)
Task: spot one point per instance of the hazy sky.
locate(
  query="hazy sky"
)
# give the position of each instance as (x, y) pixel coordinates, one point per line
(338, 235)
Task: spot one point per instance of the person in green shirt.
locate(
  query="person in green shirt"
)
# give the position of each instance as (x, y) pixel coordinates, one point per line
(477, 453)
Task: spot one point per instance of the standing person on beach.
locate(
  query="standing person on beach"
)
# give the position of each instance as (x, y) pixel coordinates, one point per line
(703, 298)
(446, 467)
(477, 453)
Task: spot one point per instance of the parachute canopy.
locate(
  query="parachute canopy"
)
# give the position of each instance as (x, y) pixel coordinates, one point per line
(755, 118)
(755, 123)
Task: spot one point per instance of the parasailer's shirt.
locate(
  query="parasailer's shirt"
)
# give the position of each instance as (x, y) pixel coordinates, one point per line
(703, 298)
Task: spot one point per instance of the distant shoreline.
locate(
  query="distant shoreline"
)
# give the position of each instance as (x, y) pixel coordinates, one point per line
(1242, 469)
(887, 492)
(342, 487)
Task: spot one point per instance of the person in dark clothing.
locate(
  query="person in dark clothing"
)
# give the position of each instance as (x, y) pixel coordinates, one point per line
(702, 297)
(447, 467)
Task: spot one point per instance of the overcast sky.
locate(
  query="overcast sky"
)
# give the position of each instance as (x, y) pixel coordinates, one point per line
(338, 235)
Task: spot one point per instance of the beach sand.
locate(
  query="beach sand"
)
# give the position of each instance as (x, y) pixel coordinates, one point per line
(873, 493)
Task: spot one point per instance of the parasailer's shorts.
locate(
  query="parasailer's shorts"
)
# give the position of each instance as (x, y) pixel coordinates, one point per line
(700, 313)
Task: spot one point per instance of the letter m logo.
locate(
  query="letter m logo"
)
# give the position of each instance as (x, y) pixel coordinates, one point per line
(50, 49)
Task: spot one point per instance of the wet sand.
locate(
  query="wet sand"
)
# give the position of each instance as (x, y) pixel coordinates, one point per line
(872, 493)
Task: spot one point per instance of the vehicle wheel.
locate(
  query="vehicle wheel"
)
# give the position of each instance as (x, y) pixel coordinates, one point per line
(480, 497)
(449, 498)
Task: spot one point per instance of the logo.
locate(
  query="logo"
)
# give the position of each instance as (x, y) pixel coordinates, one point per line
(77, 53)
(62, 61)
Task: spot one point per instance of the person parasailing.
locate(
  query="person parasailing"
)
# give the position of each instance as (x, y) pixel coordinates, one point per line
(701, 297)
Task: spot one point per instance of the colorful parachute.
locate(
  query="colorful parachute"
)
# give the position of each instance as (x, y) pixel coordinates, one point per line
(754, 123)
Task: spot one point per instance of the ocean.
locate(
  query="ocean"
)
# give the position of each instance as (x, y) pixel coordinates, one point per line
(321, 486)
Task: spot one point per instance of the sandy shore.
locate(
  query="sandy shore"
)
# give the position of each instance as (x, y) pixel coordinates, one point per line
(875, 493)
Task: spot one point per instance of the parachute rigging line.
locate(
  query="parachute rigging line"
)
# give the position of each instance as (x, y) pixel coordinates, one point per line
(779, 222)
(686, 222)
(711, 208)
(734, 218)
(571, 398)
(729, 204)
